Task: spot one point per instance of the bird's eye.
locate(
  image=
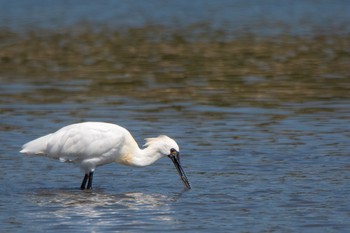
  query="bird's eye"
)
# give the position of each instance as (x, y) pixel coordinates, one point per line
(172, 150)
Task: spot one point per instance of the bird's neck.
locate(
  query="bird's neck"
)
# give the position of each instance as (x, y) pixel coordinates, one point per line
(132, 155)
(146, 156)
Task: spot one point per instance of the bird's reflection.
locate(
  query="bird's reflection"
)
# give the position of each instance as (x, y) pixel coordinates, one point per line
(87, 207)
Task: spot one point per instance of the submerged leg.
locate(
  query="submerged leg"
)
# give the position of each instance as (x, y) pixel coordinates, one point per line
(91, 175)
(82, 186)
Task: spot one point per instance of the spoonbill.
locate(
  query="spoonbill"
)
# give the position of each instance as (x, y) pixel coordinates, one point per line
(93, 144)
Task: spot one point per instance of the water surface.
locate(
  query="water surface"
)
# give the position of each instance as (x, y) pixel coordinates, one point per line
(262, 119)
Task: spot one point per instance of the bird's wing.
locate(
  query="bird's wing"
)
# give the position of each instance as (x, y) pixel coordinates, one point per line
(76, 143)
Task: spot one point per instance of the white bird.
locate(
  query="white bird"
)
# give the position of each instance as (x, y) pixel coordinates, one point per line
(92, 144)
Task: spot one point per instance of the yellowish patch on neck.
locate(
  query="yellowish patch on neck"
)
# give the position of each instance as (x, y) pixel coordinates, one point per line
(127, 159)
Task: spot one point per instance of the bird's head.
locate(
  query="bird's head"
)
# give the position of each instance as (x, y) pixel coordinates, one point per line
(168, 147)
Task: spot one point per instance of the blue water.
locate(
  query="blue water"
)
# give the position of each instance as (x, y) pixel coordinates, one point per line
(252, 169)
(231, 16)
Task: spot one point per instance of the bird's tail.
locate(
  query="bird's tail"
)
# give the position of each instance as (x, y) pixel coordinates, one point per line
(37, 146)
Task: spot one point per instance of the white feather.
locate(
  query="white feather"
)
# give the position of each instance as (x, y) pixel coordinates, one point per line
(37, 146)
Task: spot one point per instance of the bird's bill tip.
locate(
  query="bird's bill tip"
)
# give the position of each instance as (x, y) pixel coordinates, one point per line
(186, 182)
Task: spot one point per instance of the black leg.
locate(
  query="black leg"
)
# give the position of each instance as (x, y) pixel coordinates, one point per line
(91, 175)
(82, 186)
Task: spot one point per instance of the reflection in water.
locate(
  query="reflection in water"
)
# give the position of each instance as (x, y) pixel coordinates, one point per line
(70, 207)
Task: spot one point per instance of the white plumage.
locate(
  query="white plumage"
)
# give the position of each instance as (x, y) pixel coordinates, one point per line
(92, 144)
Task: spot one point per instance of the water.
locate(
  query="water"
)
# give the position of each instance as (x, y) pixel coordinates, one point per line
(262, 122)
(235, 17)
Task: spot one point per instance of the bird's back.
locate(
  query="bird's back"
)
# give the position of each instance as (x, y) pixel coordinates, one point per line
(81, 141)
